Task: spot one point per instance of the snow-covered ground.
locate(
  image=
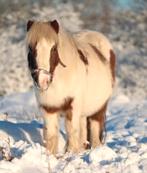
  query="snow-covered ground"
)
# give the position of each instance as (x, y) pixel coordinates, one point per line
(125, 149)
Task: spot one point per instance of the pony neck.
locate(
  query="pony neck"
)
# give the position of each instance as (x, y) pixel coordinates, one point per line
(67, 47)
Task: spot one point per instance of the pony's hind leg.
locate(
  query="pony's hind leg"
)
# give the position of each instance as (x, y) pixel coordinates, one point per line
(50, 132)
(97, 126)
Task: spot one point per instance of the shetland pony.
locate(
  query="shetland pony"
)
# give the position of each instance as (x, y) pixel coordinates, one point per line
(72, 74)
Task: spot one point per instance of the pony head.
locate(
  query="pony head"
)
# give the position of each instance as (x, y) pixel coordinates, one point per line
(43, 56)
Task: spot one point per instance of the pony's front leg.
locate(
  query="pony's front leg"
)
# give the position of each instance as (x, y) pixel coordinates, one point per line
(83, 133)
(72, 123)
(51, 132)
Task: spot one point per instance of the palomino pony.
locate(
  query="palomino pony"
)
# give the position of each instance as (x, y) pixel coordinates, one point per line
(74, 75)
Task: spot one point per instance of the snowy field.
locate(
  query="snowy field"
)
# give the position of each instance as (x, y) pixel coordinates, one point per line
(125, 149)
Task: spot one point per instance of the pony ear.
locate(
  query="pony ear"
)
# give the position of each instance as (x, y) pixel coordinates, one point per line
(29, 24)
(55, 25)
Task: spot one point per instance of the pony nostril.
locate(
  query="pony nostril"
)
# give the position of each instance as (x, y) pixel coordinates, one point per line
(43, 81)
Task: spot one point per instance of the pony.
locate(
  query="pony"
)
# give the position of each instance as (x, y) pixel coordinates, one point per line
(74, 75)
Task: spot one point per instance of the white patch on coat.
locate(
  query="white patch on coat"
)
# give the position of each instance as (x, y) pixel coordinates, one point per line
(43, 53)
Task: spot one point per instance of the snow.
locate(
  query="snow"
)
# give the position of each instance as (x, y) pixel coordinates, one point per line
(101, 153)
(125, 149)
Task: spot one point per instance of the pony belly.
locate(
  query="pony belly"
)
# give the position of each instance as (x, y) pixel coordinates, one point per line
(96, 95)
(93, 105)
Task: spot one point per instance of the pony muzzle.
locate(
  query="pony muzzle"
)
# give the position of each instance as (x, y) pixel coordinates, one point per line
(41, 79)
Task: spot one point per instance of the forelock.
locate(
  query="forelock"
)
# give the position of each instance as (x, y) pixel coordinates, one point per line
(41, 30)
